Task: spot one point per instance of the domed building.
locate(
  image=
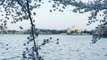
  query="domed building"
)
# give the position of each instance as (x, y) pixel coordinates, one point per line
(74, 30)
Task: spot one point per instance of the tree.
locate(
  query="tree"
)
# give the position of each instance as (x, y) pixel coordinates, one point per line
(96, 7)
(21, 10)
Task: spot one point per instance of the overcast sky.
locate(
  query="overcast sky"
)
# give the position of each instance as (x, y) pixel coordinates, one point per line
(56, 20)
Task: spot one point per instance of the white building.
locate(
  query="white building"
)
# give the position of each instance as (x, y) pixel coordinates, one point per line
(74, 29)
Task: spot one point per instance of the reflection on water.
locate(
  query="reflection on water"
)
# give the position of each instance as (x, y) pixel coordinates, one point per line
(70, 47)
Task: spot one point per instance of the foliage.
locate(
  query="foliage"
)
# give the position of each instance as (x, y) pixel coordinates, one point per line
(98, 8)
(19, 10)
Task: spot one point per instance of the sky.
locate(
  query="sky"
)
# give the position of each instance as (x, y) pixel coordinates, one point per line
(56, 20)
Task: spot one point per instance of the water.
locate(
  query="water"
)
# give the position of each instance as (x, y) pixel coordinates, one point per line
(70, 47)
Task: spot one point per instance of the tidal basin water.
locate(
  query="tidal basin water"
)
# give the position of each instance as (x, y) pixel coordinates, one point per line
(70, 47)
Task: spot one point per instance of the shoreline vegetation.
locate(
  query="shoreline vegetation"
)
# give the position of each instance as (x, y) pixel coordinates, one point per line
(52, 32)
(47, 32)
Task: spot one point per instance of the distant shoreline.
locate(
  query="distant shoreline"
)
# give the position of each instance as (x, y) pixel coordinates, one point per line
(49, 34)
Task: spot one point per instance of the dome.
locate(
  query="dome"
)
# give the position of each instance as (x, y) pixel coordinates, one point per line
(74, 29)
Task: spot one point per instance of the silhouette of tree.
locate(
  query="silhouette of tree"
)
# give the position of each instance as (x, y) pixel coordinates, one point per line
(21, 10)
